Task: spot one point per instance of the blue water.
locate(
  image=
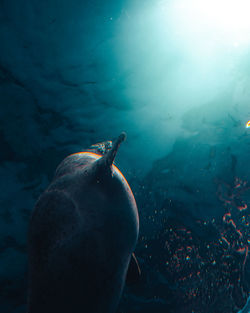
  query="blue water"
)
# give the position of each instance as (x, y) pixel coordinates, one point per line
(74, 73)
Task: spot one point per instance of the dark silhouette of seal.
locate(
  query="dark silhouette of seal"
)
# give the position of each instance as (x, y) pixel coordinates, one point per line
(83, 232)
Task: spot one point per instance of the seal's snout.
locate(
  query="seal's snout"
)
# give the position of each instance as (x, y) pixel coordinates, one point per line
(104, 164)
(110, 156)
(122, 137)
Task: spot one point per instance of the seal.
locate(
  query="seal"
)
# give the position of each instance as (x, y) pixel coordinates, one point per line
(82, 234)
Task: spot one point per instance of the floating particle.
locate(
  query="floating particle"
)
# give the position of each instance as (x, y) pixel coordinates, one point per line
(241, 250)
(239, 232)
(232, 223)
(242, 208)
(226, 217)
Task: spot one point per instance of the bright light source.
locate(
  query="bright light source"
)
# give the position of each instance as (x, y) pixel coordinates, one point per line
(224, 21)
(248, 124)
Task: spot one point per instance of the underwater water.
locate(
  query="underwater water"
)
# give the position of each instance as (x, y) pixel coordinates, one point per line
(176, 80)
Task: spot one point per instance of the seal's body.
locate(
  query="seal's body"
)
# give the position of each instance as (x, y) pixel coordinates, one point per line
(83, 231)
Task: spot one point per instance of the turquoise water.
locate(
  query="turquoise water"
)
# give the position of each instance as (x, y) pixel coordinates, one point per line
(175, 76)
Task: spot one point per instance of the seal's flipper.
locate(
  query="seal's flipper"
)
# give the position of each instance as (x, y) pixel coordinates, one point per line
(134, 271)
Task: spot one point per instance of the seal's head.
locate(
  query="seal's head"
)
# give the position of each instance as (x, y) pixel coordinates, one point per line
(104, 152)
